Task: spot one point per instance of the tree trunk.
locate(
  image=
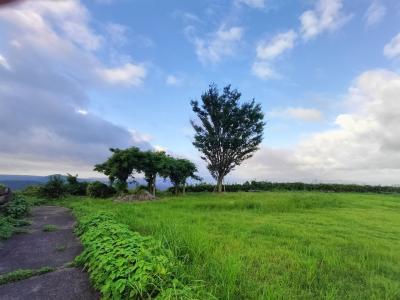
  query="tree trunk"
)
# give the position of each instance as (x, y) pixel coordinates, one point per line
(184, 189)
(176, 187)
(154, 186)
(219, 184)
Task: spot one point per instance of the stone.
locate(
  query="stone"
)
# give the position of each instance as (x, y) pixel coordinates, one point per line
(5, 195)
(141, 195)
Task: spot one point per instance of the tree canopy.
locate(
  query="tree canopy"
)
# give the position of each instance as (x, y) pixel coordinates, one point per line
(178, 171)
(226, 132)
(122, 165)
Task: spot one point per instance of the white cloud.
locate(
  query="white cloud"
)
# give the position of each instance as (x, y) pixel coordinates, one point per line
(375, 13)
(4, 63)
(326, 15)
(173, 80)
(251, 3)
(392, 49)
(128, 74)
(364, 146)
(218, 45)
(117, 33)
(270, 49)
(263, 70)
(300, 113)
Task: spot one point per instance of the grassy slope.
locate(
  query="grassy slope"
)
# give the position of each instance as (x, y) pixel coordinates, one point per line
(276, 245)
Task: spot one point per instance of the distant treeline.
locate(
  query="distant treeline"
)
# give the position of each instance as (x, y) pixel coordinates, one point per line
(294, 186)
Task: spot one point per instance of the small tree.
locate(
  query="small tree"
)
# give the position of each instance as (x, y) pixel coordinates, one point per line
(227, 132)
(178, 171)
(120, 166)
(54, 188)
(75, 187)
(152, 163)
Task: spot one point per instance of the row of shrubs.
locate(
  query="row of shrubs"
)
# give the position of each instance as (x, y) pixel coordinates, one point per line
(58, 187)
(295, 186)
(123, 264)
(11, 215)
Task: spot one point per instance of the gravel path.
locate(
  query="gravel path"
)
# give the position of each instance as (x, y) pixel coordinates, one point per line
(39, 248)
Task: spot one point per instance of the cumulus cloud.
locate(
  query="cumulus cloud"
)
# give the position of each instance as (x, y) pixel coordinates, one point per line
(299, 113)
(218, 45)
(375, 13)
(128, 74)
(263, 70)
(270, 49)
(327, 15)
(392, 49)
(45, 121)
(364, 146)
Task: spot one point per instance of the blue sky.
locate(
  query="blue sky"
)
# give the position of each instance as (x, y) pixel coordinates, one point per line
(128, 69)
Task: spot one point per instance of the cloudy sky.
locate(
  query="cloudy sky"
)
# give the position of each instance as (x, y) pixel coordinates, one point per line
(80, 76)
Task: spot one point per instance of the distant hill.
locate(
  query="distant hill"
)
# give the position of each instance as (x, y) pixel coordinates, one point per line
(19, 182)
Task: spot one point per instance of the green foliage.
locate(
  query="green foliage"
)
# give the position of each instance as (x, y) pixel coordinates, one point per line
(98, 189)
(10, 214)
(7, 227)
(178, 171)
(50, 228)
(75, 187)
(123, 163)
(120, 166)
(274, 245)
(55, 188)
(33, 191)
(295, 186)
(18, 207)
(153, 163)
(23, 274)
(126, 265)
(227, 132)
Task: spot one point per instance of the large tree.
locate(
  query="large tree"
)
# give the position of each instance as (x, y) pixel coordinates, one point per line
(226, 132)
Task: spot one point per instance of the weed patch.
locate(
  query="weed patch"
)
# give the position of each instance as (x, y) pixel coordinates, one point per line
(23, 274)
(11, 214)
(50, 228)
(126, 265)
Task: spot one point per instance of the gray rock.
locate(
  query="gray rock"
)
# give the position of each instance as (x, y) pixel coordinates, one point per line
(5, 195)
(141, 195)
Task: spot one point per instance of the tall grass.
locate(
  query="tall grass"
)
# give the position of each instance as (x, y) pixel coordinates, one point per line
(288, 245)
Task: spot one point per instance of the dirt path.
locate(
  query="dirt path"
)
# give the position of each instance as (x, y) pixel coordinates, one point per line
(38, 248)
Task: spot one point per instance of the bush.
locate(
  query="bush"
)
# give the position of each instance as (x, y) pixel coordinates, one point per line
(33, 191)
(98, 189)
(10, 214)
(17, 208)
(54, 188)
(126, 265)
(77, 189)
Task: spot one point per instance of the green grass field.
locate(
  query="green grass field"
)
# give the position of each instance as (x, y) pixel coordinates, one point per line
(275, 245)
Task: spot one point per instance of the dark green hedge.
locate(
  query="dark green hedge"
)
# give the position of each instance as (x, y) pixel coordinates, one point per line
(295, 186)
